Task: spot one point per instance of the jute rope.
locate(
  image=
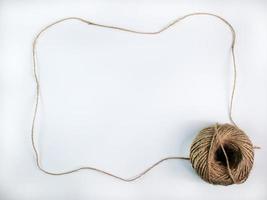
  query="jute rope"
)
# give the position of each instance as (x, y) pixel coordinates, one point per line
(221, 154)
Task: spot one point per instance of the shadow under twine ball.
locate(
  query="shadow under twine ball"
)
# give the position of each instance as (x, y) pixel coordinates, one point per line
(222, 154)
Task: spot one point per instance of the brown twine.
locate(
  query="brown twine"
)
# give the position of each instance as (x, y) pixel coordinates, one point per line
(220, 154)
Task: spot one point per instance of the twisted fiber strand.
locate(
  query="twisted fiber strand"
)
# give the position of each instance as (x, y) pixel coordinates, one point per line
(205, 145)
(194, 157)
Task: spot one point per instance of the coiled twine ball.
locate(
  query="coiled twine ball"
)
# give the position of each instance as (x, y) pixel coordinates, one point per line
(222, 154)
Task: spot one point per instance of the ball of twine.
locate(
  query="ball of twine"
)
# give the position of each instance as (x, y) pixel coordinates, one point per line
(222, 154)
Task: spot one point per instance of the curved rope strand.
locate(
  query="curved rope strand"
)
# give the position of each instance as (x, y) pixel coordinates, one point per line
(37, 157)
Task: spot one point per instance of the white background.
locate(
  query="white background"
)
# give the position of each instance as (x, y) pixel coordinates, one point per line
(121, 101)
